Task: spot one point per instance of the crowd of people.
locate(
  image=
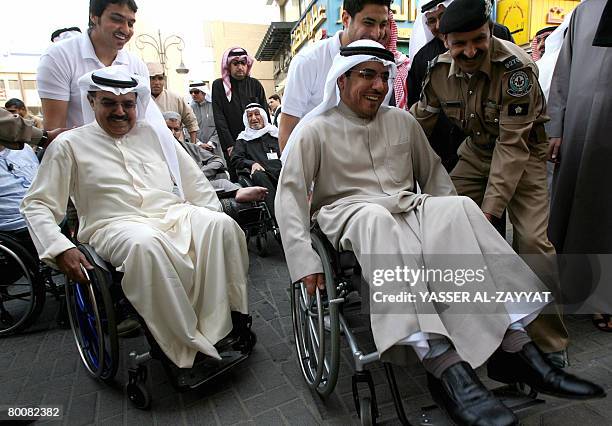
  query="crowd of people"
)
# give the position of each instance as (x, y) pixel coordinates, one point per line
(411, 156)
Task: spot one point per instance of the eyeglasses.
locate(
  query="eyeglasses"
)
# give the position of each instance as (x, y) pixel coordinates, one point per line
(127, 105)
(370, 75)
(236, 63)
(194, 92)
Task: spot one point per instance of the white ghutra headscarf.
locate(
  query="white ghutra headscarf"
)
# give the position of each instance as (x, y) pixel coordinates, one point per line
(343, 62)
(421, 35)
(249, 134)
(117, 79)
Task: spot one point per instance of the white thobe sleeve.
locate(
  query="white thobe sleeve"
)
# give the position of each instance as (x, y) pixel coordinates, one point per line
(292, 206)
(198, 190)
(428, 170)
(44, 205)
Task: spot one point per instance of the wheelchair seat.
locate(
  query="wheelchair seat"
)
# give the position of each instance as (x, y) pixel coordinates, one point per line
(93, 310)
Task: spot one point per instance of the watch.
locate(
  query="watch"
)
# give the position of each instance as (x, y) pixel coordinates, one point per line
(44, 139)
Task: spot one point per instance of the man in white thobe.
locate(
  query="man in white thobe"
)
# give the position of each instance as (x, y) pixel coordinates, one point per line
(184, 261)
(365, 161)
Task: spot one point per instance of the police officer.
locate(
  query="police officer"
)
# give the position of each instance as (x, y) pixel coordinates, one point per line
(489, 88)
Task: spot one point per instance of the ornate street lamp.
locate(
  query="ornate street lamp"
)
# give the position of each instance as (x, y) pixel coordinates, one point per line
(161, 47)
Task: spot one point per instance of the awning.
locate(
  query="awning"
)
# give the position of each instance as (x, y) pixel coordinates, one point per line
(277, 36)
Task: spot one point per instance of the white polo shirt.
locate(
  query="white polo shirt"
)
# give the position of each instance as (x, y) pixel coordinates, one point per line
(62, 65)
(307, 74)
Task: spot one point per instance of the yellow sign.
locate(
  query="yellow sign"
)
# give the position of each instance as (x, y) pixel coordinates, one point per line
(515, 15)
(307, 28)
(406, 11)
(404, 33)
(525, 18)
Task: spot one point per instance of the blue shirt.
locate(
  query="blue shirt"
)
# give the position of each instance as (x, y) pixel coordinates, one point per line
(17, 171)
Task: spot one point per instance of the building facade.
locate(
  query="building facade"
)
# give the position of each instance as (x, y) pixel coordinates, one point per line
(310, 20)
(525, 18)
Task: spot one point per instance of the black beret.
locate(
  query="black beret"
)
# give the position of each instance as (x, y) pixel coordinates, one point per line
(465, 15)
(432, 4)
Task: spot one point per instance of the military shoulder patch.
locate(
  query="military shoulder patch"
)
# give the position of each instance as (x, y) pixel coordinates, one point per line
(519, 84)
(518, 109)
(512, 63)
(432, 63)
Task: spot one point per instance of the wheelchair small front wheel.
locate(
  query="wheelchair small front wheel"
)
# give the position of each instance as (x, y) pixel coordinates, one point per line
(139, 395)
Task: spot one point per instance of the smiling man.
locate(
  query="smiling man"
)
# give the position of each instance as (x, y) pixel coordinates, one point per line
(123, 183)
(111, 26)
(362, 20)
(489, 89)
(365, 161)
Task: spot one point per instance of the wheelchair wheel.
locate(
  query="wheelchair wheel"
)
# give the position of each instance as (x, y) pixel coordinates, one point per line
(261, 244)
(22, 291)
(317, 343)
(92, 318)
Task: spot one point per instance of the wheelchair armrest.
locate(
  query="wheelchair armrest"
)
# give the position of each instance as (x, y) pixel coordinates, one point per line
(95, 256)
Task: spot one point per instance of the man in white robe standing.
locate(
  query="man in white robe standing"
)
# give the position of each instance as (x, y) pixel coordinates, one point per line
(184, 261)
(365, 161)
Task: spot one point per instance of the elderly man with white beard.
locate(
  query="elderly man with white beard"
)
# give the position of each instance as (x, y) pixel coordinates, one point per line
(364, 162)
(156, 219)
(257, 151)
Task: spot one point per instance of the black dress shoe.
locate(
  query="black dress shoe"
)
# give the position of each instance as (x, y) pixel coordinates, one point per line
(465, 399)
(530, 366)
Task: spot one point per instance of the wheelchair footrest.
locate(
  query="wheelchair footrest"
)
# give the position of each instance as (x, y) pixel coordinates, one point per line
(206, 369)
(509, 395)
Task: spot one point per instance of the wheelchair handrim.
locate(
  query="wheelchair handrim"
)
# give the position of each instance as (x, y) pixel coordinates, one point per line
(307, 329)
(24, 320)
(324, 385)
(79, 320)
(88, 330)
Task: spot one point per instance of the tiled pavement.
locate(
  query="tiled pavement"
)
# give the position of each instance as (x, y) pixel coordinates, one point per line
(41, 367)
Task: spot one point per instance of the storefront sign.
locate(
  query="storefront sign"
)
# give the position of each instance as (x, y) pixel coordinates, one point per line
(307, 28)
(514, 14)
(555, 15)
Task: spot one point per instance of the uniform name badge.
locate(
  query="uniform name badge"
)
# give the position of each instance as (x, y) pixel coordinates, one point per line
(272, 155)
(519, 84)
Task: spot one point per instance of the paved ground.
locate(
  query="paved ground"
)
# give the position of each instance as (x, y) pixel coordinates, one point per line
(41, 367)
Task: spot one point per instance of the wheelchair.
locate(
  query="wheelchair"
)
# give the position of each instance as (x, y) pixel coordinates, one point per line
(319, 322)
(23, 285)
(94, 310)
(254, 218)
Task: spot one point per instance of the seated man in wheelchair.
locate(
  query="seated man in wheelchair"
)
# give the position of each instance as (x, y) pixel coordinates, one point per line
(17, 171)
(256, 151)
(146, 208)
(213, 166)
(365, 161)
